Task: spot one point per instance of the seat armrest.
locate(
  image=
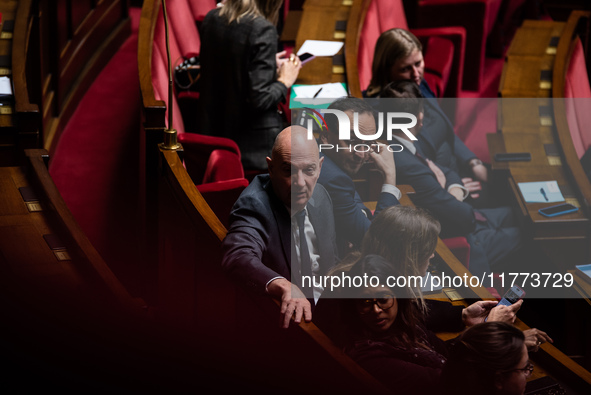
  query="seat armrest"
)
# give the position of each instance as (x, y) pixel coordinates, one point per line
(457, 35)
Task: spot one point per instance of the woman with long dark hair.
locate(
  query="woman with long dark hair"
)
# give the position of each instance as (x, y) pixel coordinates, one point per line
(386, 332)
(488, 359)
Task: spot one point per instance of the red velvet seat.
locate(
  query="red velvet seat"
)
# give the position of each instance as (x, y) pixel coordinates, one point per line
(461, 249)
(478, 17)
(200, 8)
(215, 161)
(443, 71)
(577, 93)
(212, 162)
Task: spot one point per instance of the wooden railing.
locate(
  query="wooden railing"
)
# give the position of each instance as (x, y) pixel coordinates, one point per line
(563, 56)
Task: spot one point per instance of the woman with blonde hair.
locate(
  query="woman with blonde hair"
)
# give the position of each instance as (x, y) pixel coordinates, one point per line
(243, 78)
(398, 56)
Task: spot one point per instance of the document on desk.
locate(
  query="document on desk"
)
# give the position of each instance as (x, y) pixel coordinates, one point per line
(541, 192)
(584, 271)
(316, 96)
(321, 48)
(5, 87)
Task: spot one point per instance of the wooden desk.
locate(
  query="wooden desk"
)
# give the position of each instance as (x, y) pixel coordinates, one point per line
(535, 123)
(547, 361)
(323, 20)
(27, 259)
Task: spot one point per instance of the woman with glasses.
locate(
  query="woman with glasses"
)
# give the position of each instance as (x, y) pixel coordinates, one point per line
(385, 330)
(489, 359)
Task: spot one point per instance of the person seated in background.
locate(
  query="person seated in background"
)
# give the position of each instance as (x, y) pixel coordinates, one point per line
(489, 359)
(387, 326)
(340, 166)
(282, 228)
(398, 56)
(243, 78)
(493, 233)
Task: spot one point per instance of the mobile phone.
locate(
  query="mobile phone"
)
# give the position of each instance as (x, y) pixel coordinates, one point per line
(512, 296)
(560, 209)
(513, 156)
(306, 57)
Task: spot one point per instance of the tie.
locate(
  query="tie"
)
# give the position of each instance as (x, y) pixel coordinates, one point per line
(306, 263)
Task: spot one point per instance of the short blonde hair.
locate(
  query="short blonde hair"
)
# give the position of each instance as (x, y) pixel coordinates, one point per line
(234, 10)
(392, 45)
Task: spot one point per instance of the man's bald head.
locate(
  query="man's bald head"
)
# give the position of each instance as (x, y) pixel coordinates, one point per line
(294, 167)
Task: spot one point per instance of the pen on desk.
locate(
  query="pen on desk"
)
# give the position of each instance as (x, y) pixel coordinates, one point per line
(317, 93)
(543, 193)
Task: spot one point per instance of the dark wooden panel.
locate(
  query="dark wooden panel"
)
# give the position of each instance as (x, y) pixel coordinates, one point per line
(84, 43)
(80, 11)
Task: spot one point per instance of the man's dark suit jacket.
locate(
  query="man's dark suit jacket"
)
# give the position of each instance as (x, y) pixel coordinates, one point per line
(491, 241)
(257, 247)
(239, 91)
(352, 218)
(456, 218)
(440, 143)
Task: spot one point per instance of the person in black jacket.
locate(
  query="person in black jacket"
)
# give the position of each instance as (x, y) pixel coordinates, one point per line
(398, 56)
(263, 246)
(243, 78)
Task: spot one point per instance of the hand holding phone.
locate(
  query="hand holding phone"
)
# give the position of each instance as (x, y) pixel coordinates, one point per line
(306, 57)
(512, 296)
(508, 306)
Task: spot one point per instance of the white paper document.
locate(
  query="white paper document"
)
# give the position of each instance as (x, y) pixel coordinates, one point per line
(5, 86)
(321, 48)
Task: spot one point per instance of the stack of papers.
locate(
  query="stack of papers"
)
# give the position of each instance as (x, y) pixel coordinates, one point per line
(5, 87)
(320, 48)
(316, 95)
(541, 192)
(584, 272)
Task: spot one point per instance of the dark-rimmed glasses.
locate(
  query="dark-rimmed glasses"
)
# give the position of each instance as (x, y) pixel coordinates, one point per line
(527, 370)
(365, 306)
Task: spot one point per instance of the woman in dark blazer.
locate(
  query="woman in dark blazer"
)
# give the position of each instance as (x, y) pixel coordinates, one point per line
(398, 56)
(243, 78)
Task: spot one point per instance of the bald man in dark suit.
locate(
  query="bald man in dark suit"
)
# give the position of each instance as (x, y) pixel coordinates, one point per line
(263, 249)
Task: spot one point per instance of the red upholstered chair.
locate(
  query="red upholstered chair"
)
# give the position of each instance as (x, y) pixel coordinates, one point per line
(212, 162)
(200, 8)
(443, 48)
(577, 93)
(461, 249)
(478, 17)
